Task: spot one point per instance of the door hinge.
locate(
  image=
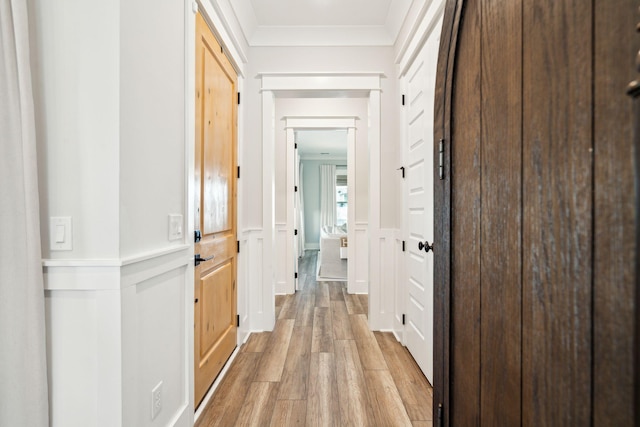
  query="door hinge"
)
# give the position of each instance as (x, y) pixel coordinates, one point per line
(238, 245)
(295, 275)
(238, 172)
(295, 145)
(238, 320)
(238, 98)
(440, 420)
(441, 158)
(402, 99)
(295, 232)
(295, 188)
(401, 168)
(403, 246)
(403, 319)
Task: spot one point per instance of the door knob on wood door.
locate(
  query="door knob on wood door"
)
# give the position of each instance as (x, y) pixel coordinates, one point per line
(198, 259)
(425, 246)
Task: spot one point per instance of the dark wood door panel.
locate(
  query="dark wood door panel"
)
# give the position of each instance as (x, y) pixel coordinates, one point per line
(534, 312)
(465, 231)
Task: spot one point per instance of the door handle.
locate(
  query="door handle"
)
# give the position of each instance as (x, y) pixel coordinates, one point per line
(425, 246)
(198, 259)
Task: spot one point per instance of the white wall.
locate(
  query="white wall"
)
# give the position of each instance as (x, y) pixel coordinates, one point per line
(152, 122)
(110, 91)
(76, 62)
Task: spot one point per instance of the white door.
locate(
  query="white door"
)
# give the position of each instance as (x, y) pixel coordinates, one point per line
(419, 168)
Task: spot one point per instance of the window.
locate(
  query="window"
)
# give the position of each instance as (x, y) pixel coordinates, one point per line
(341, 198)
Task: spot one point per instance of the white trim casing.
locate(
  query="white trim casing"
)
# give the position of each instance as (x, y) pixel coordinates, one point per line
(336, 84)
(356, 234)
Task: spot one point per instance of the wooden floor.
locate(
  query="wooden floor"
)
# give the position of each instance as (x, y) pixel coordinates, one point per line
(321, 366)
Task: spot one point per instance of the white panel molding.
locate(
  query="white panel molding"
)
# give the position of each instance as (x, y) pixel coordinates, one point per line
(399, 277)
(355, 81)
(358, 264)
(383, 273)
(97, 309)
(284, 261)
(413, 44)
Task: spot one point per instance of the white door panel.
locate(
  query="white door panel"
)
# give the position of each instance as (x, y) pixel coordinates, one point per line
(418, 196)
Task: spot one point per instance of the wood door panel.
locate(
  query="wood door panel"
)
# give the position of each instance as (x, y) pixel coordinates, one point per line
(215, 184)
(541, 273)
(501, 221)
(218, 152)
(557, 231)
(615, 48)
(216, 293)
(465, 230)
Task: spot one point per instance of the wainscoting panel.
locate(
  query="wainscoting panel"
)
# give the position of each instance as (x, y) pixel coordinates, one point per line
(115, 330)
(359, 260)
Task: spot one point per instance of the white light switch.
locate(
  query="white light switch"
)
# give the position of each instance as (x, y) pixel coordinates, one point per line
(60, 233)
(175, 226)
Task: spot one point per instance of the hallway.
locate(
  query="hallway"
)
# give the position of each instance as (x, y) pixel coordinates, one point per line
(321, 365)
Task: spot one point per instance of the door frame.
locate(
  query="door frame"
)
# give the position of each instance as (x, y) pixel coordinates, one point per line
(293, 124)
(321, 84)
(442, 215)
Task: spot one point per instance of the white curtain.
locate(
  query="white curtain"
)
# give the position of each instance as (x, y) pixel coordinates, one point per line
(301, 236)
(327, 195)
(23, 366)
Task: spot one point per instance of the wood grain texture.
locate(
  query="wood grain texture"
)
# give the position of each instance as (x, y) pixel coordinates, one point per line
(273, 358)
(289, 413)
(304, 316)
(355, 408)
(558, 203)
(256, 343)
(322, 295)
(501, 206)
(215, 298)
(442, 374)
(340, 321)
(224, 407)
(259, 404)
(616, 46)
(295, 378)
(385, 400)
(466, 206)
(370, 353)
(323, 407)
(322, 335)
(411, 383)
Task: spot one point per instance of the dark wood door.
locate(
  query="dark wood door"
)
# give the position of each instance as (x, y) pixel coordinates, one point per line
(535, 214)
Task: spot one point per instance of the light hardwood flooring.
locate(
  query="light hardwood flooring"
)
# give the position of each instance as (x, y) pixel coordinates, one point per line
(321, 366)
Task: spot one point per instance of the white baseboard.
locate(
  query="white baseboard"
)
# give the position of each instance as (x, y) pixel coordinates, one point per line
(312, 246)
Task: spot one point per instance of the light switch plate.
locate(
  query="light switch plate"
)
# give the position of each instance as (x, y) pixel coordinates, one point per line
(175, 226)
(60, 236)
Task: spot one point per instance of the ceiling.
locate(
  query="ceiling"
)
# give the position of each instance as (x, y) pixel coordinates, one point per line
(328, 144)
(320, 22)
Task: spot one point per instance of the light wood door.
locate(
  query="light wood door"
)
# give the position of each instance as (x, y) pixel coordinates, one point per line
(418, 216)
(215, 206)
